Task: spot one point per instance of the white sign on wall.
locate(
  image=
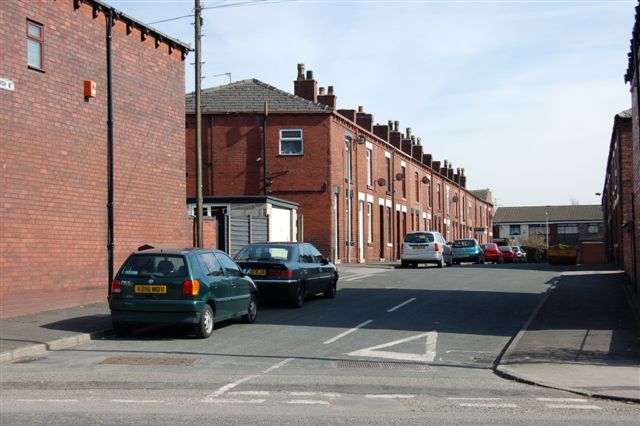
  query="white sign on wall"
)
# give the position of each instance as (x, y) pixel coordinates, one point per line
(6, 84)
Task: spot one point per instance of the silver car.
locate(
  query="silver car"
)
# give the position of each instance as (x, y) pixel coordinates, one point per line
(425, 247)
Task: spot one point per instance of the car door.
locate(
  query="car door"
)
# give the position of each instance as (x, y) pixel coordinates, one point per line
(217, 283)
(324, 267)
(240, 287)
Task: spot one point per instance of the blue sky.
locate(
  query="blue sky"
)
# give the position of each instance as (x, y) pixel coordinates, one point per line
(522, 94)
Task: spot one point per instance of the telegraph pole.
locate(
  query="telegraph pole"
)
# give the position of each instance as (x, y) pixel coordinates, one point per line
(198, 24)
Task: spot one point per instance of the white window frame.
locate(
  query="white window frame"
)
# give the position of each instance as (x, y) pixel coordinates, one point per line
(369, 222)
(369, 157)
(291, 139)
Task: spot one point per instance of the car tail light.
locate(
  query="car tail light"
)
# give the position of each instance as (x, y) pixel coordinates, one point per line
(191, 288)
(280, 273)
(436, 247)
(116, 287)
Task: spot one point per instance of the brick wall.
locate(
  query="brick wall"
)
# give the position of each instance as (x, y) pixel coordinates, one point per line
(54, 155)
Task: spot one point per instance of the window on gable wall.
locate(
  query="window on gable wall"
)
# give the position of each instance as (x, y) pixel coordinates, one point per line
(291, 142)
(35, 44)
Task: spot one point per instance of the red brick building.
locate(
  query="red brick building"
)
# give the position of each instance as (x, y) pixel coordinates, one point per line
(632, 76)
(617, 195)
(54, 149)
(360, 186)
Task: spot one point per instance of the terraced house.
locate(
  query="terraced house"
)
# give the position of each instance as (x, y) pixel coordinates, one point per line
(360, 186)
(91, 146)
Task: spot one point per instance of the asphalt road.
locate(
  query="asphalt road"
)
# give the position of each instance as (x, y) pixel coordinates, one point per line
(411, 346)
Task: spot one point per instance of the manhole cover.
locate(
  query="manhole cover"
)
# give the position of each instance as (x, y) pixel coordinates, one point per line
(127, 360)
(383, 365)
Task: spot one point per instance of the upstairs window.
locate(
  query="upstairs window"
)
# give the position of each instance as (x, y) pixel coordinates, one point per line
(594, 228)
(404, 181)
(369, 155)
(291, 142)
(417, 186)
(35, 44)
(567, 228)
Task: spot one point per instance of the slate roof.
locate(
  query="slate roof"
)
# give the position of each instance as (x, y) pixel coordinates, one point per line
(536, 214)
(483, 194)
(248, 96)
(625, 114)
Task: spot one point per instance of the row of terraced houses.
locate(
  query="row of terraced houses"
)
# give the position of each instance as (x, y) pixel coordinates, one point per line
(94, 156)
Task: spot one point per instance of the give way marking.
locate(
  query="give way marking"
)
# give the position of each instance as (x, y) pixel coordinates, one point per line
(429, 355)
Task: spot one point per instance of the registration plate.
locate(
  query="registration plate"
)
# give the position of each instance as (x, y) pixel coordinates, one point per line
(418, 247)
(156, 289)
(259, 272)
(464, 254)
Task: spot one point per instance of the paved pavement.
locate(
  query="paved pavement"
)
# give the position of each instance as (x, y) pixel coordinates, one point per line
(582, 338)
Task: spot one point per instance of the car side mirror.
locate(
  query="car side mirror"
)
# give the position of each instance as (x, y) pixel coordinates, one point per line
(245, 272)
(324, 261)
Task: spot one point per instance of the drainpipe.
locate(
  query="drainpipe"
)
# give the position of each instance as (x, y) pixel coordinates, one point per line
(110, 222)
(264, 146)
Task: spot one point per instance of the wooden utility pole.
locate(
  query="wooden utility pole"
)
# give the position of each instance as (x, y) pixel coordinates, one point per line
(199, 233)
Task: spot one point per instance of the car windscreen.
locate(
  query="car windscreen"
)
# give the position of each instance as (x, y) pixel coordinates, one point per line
(264, 252)
(419, 238)
(464, 243)
(154, 264)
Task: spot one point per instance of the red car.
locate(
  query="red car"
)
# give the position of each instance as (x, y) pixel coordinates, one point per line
(492, 253)
(508, 254)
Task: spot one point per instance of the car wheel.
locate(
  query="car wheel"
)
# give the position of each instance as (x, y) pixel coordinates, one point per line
(480, 260)
(205, 327)
(332, 291)
(440, 263)
(501, 260)
(404, 263)
(252, 311)
(414, 265)
(122, 328)
(298, 298)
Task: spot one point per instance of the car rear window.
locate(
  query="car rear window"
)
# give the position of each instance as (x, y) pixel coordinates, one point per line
(505, 248)
(419, 238)
(464, 243)
(265, 253)
(484, 246)
(157, 265)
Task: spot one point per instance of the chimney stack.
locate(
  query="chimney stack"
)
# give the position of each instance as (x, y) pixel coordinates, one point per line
(382, 131)
(306, 88)
(329, 99)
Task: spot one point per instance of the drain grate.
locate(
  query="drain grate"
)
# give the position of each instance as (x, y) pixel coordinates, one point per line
(383, 365)
(127, 360)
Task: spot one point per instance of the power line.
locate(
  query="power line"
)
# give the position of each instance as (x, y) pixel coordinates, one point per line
(222, 5)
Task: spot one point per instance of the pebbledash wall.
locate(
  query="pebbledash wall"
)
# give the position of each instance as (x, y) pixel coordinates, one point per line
(53, 151)
(376, 210)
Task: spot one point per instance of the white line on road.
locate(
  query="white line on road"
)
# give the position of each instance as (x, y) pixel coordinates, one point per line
(390, 396)
(307, 402)
(479, 405)
(406, 302)
(138, 401)
(249, 393)
(326, 394)
(346, 333)
(431, 338)
(232, 385)
(561, 399)
(358, 277)
(235, 401)
(574, 406)
(46, 400)
(474, 399)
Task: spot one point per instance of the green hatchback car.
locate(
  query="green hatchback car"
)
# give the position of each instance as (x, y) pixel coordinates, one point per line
(467, 250)
(181, 286)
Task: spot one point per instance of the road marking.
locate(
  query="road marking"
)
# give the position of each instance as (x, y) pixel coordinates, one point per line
(46, 400)
(574, 406)
(249, 393)
(232, 385)
(307, 402)
(235, 401)
(561, 399)
(346, 333)
(479, 405)
(429, 354)
(358, 277)
(390, 396)
(406, 302)
(474, 399)
(137, 401)
(326, 395)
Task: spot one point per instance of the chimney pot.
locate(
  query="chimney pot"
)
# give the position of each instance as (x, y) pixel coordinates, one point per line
(309, 75)
(462, 171)
(419, 141)
(330, 90)
(408, 132)
(360, 108)
(322, 91)
(390, 124)
(300, 72)
(396, 125)
(446, 164)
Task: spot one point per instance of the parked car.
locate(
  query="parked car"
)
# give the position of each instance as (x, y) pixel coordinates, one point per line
(425, 247)
(507, 254)
(467, 250)
(492, 253)
(519, 255)
(181, 286)
(289, 271)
